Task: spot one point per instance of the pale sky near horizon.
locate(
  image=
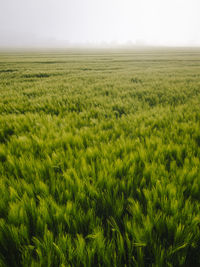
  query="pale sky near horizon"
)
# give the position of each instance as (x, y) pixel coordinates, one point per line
(56, 22)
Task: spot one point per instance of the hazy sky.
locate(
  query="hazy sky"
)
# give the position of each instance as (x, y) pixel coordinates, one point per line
(54, 22)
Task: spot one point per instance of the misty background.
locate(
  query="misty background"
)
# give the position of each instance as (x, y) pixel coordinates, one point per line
(62, 23)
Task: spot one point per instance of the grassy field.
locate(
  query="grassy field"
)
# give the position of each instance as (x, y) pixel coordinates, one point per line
(100, 158)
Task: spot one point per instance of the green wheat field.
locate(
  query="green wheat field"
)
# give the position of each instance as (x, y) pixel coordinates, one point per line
(100, 158)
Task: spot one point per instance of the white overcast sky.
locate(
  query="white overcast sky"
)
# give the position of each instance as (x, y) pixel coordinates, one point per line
(53, 22)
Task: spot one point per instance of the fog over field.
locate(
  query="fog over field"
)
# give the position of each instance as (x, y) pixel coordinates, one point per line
(63, 23)
(99, 148)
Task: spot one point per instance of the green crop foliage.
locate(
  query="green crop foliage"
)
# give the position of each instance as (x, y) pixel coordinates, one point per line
(100, 158)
